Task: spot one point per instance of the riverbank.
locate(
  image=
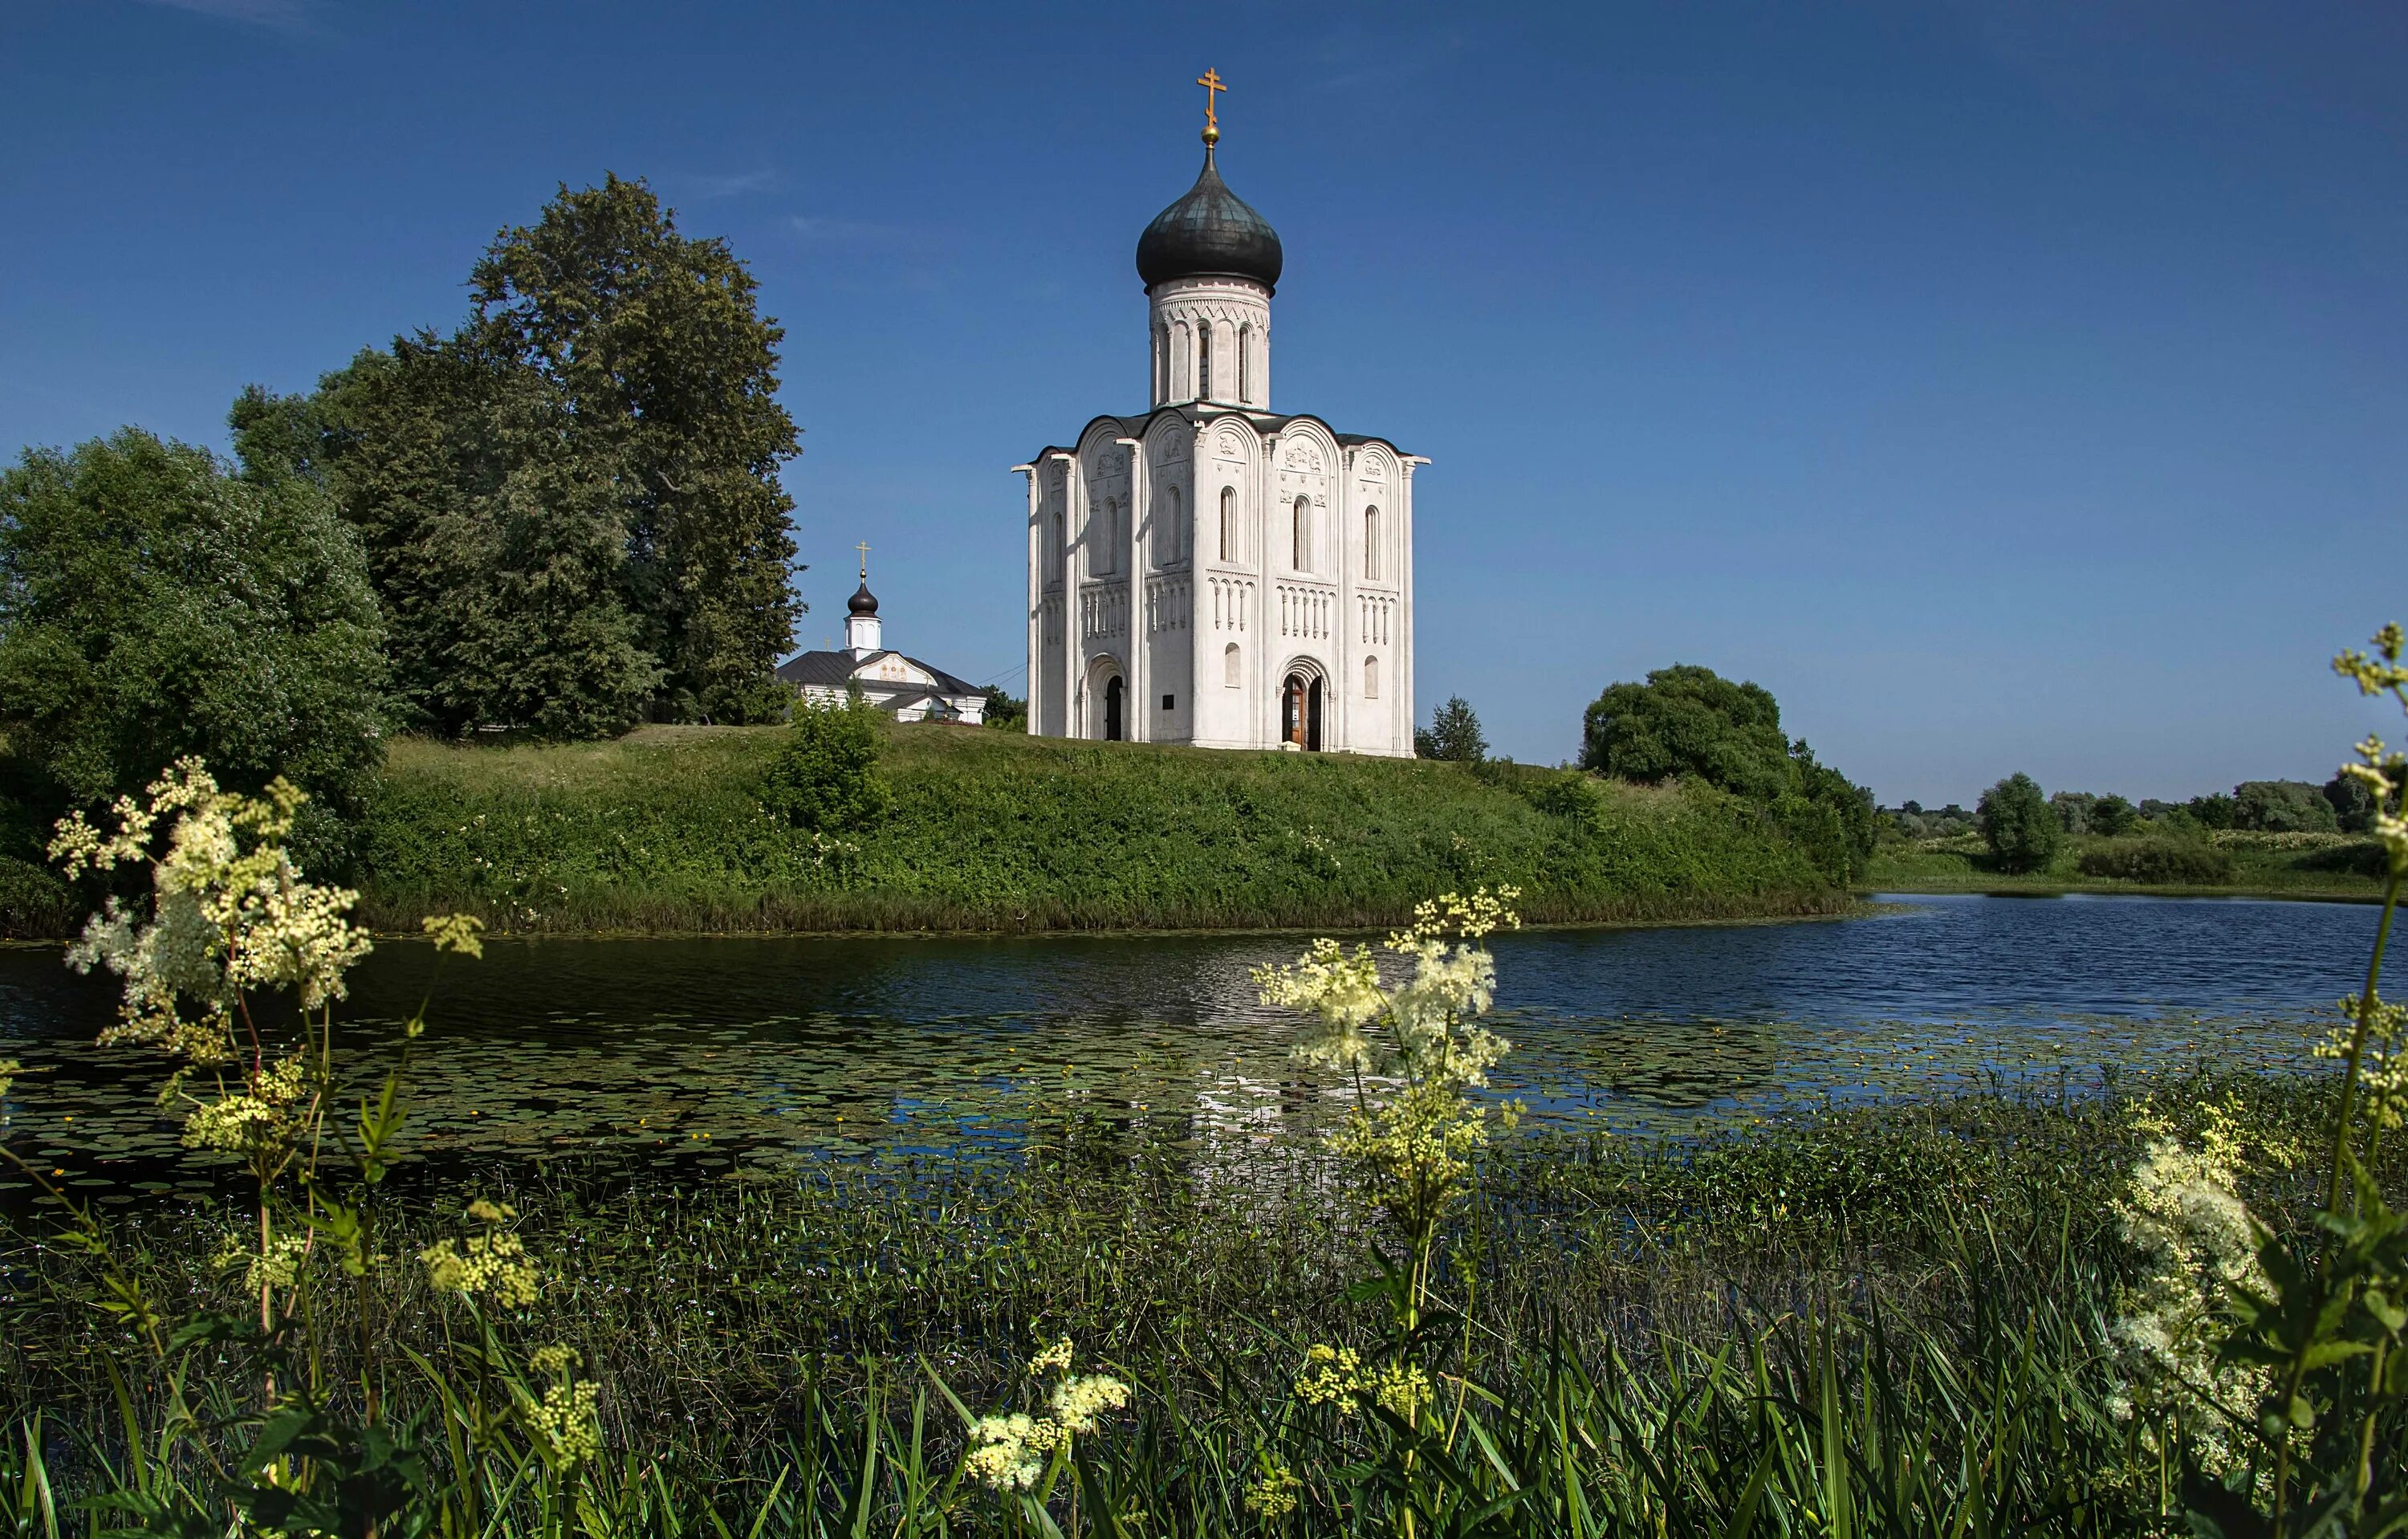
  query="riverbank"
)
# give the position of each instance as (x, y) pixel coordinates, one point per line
(663, 831)
(2327, 867)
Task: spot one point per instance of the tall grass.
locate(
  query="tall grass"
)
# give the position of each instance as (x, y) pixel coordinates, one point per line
(1882, 1320)
(666, 829)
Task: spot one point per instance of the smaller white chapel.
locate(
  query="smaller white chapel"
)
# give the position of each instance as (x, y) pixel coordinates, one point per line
(906, 688)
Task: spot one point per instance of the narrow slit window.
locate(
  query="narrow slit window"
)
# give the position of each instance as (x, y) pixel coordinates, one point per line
(1229, 524)
(1370, 678)
(1204, 360)
(1371, 543)
(1245, 365)
(1302, 552)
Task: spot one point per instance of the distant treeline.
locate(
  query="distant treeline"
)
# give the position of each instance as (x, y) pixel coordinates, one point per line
(2341, 805)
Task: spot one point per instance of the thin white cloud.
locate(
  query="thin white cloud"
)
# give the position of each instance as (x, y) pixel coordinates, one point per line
(734, 185)
(273, 15)
(819, 230)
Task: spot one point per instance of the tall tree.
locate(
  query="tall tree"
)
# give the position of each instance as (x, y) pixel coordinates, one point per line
(571, 505)
(1453, 734)
(665, 379)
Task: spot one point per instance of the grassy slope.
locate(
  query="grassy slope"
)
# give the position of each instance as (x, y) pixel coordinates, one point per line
(662, 830)
(2256, 869)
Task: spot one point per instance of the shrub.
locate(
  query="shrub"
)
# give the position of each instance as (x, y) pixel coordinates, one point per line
(2017, 823)
(2158, 859)
(825, 775)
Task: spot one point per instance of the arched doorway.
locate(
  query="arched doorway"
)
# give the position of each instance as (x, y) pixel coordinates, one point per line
(1114, 693)
(1301, 711)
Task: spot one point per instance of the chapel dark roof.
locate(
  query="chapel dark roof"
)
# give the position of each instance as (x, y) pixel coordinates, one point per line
(1209, 232)
(835, 670)
(862, 602)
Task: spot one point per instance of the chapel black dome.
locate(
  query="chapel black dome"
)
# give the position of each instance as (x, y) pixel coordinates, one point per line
(1210, 232)
(862, 603)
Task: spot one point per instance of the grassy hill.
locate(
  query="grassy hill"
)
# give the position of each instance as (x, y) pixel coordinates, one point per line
(665, 831)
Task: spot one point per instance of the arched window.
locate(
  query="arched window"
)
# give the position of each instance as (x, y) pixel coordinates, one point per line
(1161, 362)
(1370, 678)
(1303, 531)
(1371, 543)
(1245, 365)
(1204, 360)
(1229, 524)
(1229, 664)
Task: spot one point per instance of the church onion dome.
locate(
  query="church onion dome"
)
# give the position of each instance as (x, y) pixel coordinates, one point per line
(862, 603)
(1210, 232)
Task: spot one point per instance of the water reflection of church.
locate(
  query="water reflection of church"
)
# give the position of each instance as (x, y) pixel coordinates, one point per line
(1213, 573)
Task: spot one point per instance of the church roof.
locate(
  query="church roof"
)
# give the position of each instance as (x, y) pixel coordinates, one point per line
(1210, 232)
(1199, 412)
(835, 670)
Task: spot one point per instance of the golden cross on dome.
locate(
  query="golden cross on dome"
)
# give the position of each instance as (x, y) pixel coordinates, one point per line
(864, 548)
(1210, 81)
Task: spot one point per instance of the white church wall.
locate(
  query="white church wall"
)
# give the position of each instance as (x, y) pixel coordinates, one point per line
(1230, 589)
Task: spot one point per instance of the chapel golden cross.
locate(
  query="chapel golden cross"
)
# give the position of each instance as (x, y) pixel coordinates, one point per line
(1210, 81)
(864, 548)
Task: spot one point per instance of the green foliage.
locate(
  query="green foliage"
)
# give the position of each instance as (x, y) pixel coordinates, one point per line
(2282, 807)
(2112, 816)
(2170, 862)
(660, 374)
(1452, 734)
(2073, 810)
(667, 830)
(746, 1331)
(1688, 722)
(1005, 712)
(153, 606)
(571, 504)
(2351, 804)
(2017, 823)
(2213, 811)
(824, 777)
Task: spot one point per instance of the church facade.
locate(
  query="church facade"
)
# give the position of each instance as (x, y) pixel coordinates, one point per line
(1213, 571)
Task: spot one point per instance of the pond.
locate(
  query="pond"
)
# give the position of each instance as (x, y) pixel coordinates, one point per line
(737, 1052)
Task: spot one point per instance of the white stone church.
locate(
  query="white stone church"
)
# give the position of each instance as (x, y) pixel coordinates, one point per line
(1215, 572)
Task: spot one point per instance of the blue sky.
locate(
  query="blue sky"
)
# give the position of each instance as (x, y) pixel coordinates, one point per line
(2014, 387)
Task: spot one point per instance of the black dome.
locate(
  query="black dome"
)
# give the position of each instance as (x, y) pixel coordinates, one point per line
(862, 603)
(1209, 234)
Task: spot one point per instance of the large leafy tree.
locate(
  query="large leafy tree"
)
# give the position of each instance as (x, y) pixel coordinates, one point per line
(664, 378)
(154, 604)
(1691, 722)
(571, 504)
(2017, 823)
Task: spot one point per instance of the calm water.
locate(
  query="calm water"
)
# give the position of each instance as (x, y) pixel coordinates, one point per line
(772, 1049)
